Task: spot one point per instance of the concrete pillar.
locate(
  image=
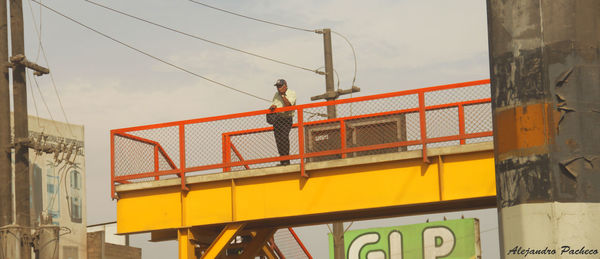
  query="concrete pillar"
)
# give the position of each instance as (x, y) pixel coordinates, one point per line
(545, 74)
(9, 241)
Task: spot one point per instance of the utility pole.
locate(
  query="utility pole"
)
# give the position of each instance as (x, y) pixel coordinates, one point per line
(338, 241)
(16, 237)
(545, 77)
(8, 244)
(331, 94)
(21, 127)
(329, 87)
(6, 204)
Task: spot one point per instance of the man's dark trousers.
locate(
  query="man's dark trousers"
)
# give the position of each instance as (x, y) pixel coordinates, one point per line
(281, 128)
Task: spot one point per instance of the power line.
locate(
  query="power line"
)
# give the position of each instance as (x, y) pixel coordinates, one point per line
(353, 54)
(46, 105)
(283, 25)
(200, 38)
(34, 103)
(149, 55)
(286, 26)
(41, 47)
(40, 31)
(255, 19)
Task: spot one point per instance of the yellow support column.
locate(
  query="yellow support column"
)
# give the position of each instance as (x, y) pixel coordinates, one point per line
(186, 248)
(228, 232)
(268, 251)
(259, 239)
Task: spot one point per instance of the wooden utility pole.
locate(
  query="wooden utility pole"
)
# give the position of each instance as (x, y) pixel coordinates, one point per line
(21, 127)
(5, 139)
(15, 225)
(329, 87)
(338, 227)
(332, 94)
(338, 241)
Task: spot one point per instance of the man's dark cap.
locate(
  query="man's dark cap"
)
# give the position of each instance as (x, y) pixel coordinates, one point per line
(280, 82)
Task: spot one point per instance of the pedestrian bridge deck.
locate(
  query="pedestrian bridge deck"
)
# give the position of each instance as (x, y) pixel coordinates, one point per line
(395, 184)
(403, 153)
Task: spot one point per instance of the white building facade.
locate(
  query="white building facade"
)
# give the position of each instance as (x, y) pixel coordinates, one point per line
(58, 182)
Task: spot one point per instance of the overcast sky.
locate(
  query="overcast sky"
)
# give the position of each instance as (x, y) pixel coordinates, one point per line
(400, 44)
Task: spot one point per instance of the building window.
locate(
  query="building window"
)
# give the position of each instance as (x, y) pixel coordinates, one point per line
(52, 193)
(75, 180)
(75, 196)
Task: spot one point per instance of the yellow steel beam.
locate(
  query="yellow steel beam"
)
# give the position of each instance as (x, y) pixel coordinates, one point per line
(228, 232)
(150, 209)
(362, 187)
(164, 235)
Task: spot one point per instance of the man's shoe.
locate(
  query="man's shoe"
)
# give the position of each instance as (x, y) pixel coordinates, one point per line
(285, 163)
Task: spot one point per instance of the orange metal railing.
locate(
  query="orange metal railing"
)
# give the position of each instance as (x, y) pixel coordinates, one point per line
(452, 114)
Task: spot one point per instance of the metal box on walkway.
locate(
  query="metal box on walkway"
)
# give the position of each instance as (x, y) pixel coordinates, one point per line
(359, 133)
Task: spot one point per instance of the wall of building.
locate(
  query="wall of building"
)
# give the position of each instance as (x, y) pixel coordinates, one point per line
(95, 245)
(110, 233)
(98, 248)
(58, 183)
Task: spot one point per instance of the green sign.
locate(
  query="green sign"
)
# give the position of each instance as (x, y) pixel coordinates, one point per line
(443, 239)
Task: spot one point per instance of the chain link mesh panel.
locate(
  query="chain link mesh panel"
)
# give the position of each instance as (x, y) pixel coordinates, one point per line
(478, 118)
(377, 123)
(322, 137)
(454, 95)
(132, 156)
(135, 155)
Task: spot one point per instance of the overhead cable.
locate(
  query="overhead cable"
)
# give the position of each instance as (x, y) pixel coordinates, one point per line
(47, 109)
(200, 38)
(252, 18)
(282, 25)
(41, 47)
(150, 55)
(40, 31)
(353, 54)
(30, 91)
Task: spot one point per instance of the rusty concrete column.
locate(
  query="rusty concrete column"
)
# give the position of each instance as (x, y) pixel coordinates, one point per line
(545, 74)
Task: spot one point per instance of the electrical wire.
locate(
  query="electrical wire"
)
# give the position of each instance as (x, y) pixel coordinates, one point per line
(57, 190)
(336, 75)
(200, 38)
(353, 53)
(40, 31)
(37, 115)
(46, 105)
(61, 175)
(355, 66)
(41, 46)
(73, 166)
(255, 19)
(149, 55)
(286, 26)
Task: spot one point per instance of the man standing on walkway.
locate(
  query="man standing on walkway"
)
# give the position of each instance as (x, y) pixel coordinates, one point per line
(283, 122)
